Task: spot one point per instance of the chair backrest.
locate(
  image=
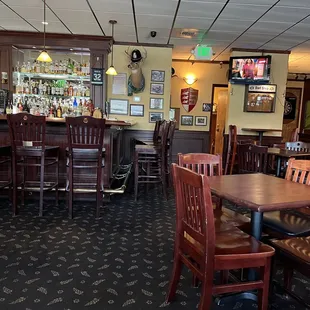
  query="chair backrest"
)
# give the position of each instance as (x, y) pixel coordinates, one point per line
(201, 163)
(85, 132)
(247, 141)
(294, 135)
(194, 212)
(299, 171)
(298, 146)
(156, 133)
(252, 158)
(231, 148)
(26, 130)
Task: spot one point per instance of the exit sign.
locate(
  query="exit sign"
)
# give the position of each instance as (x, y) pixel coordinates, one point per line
(203, 52)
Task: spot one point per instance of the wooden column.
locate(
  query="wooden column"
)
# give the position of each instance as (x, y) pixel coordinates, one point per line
(6, 65)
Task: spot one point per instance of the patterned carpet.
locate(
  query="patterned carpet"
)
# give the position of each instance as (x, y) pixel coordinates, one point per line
(122, 260)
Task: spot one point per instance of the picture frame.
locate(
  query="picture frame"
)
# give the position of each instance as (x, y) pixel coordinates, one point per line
(118, 106)
(156, 103)
(206, 107)
(200, 121)
(187, 120)
(156, 116)
(136, 110)
(157, 76)
(157, 89)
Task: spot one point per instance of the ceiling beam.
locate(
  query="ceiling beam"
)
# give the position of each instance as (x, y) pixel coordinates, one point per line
(255, 50)
(90, 7)
(173, 21)
(135, 19)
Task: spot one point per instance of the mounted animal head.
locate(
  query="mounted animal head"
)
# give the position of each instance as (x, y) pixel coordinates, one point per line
(136, 57)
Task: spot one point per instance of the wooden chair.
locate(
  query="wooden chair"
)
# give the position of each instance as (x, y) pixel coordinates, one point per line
(294, 254)
(27, 135)
(150, 162)
(283, 224)
(231, 149)
(85, 151)
(298, 146)
(252, 158)
(204, 252)
(170, 137)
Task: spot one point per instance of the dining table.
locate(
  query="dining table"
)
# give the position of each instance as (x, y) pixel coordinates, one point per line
(258, 193)
(260, 132)
(281, 154)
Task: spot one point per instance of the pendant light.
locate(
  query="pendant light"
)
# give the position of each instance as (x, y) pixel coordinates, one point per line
(44, 56)
(111, 70)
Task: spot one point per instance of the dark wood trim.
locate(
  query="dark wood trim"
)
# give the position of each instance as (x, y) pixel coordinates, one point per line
(234, 49)
(144, 44)
(213, 62)
(305, 98)
(294, 80)
(212, 95)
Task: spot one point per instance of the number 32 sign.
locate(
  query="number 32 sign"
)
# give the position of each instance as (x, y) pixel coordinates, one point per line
(97, 76)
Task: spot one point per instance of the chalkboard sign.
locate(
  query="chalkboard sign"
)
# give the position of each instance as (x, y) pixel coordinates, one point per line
(97, 76)
(4, 97)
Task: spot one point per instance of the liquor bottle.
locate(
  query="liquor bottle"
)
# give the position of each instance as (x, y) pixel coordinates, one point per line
(23, 68)
(9, 108)
(69, 67)
(49, 89)
(80, 108)
(44, 88)
(70, 90)
(33, 67)
(56, 68)
(37, 66)
(40, 88)
(52, 67)
(17, 67)
(59, 111)
(87, 92)
(66, 90)
(20, 105)
(42, 67)
(28, 68)
(53, 90)
(61, 90)
(25, 106)
(75, 104)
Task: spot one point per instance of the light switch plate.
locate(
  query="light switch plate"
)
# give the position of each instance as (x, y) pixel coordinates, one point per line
(136, 99)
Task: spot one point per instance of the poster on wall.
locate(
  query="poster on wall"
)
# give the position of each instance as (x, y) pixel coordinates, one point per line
(290, 107)
(189, 97)
(119, 86)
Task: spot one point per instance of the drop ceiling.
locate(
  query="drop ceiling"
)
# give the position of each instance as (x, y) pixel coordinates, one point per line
(222, 24)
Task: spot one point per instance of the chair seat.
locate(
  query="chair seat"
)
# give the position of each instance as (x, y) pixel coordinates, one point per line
(147, 149)
(36, 151)
(287, 223)
(85, 154)
(296, 247)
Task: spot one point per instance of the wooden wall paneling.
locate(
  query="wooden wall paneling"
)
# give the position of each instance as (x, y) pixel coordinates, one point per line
(6, 66)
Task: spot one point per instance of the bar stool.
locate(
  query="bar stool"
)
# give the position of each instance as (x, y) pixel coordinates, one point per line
(85, 151)
(150, 162)
(6, 161)
(27, 135)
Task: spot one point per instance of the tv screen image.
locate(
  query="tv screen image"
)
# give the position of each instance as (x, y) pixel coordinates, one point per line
(250, 70)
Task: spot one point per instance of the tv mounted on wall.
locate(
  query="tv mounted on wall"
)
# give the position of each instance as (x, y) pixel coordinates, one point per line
(249, 69)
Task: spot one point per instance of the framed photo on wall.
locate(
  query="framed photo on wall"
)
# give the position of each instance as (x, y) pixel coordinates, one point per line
(156, 116)
(200, 121)
(156, 103)
(187, 120)
(157, 76)
(157, 89)
(119, 106)
(137, 110)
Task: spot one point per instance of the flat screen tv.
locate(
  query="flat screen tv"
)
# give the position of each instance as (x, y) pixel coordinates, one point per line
(249, 69)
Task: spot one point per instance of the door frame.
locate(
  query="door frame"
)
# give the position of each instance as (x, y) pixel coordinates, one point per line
(211, 112)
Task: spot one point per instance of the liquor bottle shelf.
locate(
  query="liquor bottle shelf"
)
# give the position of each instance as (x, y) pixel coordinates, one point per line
(47, 76)
(50, 96)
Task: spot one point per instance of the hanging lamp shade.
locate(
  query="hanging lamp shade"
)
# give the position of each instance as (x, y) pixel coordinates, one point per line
(44, 56)
(111, 70)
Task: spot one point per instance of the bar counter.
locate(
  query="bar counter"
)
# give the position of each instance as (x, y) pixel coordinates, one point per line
(56, 135)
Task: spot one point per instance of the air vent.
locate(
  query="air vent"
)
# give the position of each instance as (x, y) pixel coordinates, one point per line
(187, 33)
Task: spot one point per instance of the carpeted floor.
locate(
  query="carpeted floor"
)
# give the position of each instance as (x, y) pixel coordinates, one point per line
(122, 260)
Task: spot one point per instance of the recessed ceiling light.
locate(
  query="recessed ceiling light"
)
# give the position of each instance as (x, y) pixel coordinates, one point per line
(33, 47)
(45, 23)
(71, 49)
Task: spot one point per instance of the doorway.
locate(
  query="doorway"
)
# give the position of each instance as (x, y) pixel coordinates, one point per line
(218, 117)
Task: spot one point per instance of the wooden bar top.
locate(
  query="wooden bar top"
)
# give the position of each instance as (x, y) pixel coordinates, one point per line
(260, 192)
(286, 153)
(109, 122)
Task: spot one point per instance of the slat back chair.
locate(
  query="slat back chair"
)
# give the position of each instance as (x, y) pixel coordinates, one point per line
(252, 158)
(298, 146)
(85, 145)
(157, 131)
(231, 149)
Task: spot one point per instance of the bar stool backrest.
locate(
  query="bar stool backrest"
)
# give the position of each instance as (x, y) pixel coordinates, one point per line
(171, 130)
(206, 164)
(231, 149)
(298, 146)
(252, 158)
(85, 132)
(26, 130)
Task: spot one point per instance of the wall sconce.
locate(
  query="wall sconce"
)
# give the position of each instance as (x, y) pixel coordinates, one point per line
(190, 79)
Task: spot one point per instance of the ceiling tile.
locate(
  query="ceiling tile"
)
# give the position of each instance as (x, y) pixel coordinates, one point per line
(116, 6)
(295, 3)
(75, 15)
(287, 14)
(35, 13)
(15, 24)
(158, 7)
(84, 28)
(200, 9)
(193, 22)
(269, 28)
(243, 11)
(150, 21)
(254, 2)
(51, 27)
(67, 4)
(231, 25)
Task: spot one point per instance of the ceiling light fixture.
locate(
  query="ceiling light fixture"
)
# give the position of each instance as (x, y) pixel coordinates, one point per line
(111, 70)
(44, 56)
(71, 49)
(33, 47)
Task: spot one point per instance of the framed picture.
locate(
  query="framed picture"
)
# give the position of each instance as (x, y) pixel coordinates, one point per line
(136, 110)
(156, 103)
(156, 116)
(157, 89)
(119, 106)
(157, 76)
(187, 120)
(200, 121)
(206, 107)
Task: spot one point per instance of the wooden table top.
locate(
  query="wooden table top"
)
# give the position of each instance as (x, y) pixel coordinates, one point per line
(286, 153)
(260, 192)
(260, 129)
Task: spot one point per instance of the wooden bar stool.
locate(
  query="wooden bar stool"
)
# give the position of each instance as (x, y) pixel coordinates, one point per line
(85, 151)
(27, 135)
(150, 162)
(6, 163)
(203, 251)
